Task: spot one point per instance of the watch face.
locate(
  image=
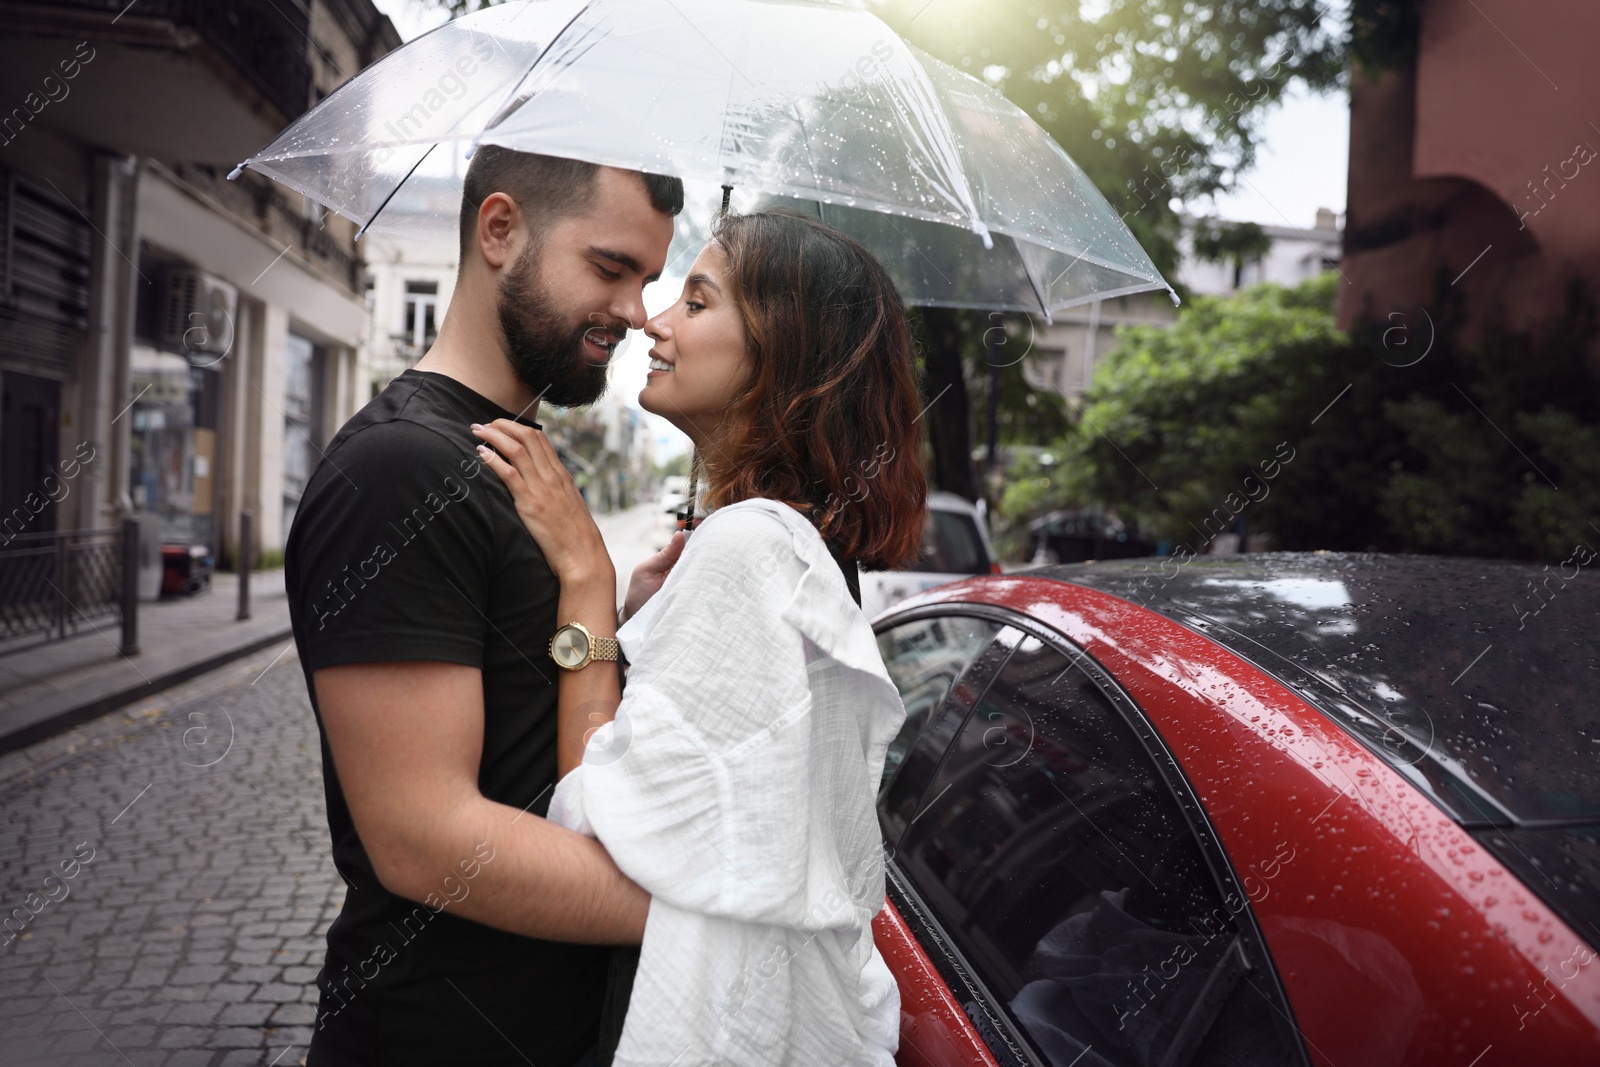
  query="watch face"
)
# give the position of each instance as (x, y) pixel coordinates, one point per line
(571, 647)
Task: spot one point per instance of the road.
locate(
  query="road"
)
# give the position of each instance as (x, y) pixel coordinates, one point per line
(176, 856)
(628, 536)
(190, 929)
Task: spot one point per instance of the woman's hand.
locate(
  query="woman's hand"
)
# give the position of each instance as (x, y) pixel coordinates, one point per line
(648, 576)
(547, 501)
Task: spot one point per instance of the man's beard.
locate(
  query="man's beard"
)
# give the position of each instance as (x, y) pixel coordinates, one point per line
(546, 350)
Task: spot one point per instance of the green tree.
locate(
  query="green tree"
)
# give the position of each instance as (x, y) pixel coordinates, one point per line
(1239, 244)
(1179, 418)
(1400, 438)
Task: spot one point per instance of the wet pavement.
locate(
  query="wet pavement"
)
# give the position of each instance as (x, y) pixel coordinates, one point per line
(166, 880)
(166, 876)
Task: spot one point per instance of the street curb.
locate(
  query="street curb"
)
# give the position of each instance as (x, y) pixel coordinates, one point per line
(66, 719)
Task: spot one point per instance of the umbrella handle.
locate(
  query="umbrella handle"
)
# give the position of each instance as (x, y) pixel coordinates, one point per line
(727, 195)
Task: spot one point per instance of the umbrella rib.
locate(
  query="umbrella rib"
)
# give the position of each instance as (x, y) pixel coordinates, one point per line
(722, 135)
(733, 68)
(509, 105)
(731, 64)
(948, 132)
(396, 189)
(1027, 270)
(328, 101)
(811, 157)
(1111, 294)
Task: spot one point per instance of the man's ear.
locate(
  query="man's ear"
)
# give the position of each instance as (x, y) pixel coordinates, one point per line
(501, 230)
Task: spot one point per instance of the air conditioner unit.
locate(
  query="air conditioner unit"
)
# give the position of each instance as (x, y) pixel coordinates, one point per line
(198, 315)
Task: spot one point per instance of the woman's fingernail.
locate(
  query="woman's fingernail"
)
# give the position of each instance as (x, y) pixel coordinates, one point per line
(483, 450)
(477, 426)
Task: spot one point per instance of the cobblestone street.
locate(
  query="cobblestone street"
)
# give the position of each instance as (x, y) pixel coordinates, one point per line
(166, 880)
(165, 883)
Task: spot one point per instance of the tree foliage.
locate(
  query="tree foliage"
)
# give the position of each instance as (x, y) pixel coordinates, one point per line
(1237, 244)
(1400, 438)
(1178, 418)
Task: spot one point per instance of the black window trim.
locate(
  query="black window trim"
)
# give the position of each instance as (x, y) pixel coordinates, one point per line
(1009, 1047)
(1224, 878)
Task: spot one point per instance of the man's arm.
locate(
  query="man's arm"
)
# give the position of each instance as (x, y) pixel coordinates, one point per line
(406, 740)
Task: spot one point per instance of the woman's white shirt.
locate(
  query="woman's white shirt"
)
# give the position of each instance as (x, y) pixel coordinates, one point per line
(737, 786)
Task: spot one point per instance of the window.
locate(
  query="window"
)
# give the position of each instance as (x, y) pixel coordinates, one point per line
(951, 544)
(924, 658)
(1060, 866)
(422, 299)
(1047, 371)
(44, 277)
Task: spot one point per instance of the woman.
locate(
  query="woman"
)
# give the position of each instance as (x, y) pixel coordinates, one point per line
(735, 782)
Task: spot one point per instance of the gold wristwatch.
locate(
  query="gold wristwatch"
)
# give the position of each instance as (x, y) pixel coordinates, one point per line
(573, 647)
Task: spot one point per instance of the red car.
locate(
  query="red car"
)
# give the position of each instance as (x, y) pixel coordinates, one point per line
(1321, 809)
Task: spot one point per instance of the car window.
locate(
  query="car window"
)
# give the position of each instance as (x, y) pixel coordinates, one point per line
(951, 544)
(1061, 867)
(931, 661)
(924, 658)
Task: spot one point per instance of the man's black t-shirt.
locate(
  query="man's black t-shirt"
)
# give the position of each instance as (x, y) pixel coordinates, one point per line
(406, 547)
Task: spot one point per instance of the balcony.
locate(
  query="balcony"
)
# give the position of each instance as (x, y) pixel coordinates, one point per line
(326, 243)
(193, 80)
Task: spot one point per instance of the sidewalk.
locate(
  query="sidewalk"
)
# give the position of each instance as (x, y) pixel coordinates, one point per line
(48, 688)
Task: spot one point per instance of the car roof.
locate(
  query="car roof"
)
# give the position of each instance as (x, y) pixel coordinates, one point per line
(951, 502)
(1477, 679)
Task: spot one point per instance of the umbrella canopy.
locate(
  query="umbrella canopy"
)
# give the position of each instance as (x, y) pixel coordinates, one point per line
(819, 106)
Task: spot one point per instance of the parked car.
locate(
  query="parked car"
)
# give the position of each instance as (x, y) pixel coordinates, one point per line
(1266, 809)
(955, 545)
(1073, 535)
(664, 521)
(674, 488)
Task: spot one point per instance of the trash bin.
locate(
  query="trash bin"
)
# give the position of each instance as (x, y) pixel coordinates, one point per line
(185, 569)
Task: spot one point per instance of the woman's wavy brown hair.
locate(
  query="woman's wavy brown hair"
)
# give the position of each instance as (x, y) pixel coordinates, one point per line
(826, 422)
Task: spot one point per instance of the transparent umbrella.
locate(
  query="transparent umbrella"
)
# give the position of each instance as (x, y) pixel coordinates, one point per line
(818, 106)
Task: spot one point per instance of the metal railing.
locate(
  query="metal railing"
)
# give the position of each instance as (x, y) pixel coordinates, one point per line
(55, 585)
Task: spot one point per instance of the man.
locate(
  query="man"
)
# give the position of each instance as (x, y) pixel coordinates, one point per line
(472, 929)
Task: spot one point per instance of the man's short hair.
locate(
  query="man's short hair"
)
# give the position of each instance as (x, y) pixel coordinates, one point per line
(547, 188)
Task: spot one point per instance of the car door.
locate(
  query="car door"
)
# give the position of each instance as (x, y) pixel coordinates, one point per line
(1046, 855)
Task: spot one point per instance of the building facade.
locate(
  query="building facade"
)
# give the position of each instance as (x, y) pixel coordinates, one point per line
(192, 342)
(1294, 256)
(1472, 168)
(409, 286)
